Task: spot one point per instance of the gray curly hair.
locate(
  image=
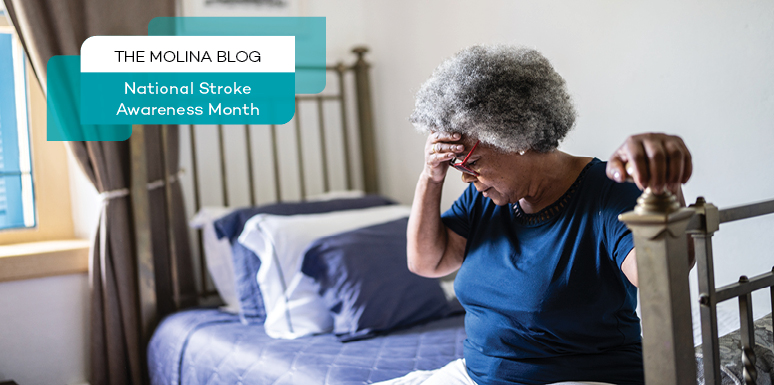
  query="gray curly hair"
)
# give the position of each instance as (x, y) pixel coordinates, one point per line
(505, 96)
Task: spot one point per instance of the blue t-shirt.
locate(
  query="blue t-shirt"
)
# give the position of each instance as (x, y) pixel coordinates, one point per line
(545, 297)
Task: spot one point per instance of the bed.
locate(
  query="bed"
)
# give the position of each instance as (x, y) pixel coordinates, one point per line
(208, 346)
(321, 165)
(239, 336)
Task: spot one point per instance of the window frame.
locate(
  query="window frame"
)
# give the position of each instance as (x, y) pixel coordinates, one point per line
(20, 136)
(50, 247)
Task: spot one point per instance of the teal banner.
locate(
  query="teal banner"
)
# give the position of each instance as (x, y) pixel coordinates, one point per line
(187, 98)
(152, 80)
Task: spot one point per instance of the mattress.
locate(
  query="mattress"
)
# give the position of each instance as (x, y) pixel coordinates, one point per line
(208, 346)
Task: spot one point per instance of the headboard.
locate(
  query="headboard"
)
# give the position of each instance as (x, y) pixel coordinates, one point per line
(327, 146)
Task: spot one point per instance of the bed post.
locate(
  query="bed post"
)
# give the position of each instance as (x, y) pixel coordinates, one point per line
(365, 120)
(702, 241)
(659, 227)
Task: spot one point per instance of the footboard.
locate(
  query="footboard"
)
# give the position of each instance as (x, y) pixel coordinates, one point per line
(660, 228)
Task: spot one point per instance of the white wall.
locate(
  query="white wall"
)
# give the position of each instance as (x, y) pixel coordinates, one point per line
(84, 200)
(44, 336)
(700, 69)
(345, 23)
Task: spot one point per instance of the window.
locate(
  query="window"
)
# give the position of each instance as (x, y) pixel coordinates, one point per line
(17, 207)
(34, 241)
(46, 163)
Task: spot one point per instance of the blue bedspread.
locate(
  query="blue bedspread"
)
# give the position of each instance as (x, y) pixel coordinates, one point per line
(207, 346)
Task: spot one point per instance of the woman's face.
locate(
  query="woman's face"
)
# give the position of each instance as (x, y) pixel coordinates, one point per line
(500, 177)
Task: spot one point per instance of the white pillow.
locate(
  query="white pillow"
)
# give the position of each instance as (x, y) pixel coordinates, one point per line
(217, 254)
(293, 306)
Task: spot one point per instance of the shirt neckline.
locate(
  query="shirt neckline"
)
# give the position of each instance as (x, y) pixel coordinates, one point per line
(554, 209)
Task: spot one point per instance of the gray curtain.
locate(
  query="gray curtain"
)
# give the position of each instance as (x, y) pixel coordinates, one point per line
(58, 27)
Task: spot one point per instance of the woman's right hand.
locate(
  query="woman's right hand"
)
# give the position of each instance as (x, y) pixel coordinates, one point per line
(440, 148)
(433, 250)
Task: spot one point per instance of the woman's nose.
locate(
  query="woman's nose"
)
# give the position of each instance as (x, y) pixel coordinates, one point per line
(468, 178)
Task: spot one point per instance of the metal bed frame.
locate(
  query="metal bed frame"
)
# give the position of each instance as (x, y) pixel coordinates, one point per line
(151, 307)
(658, 224)
(660, 227)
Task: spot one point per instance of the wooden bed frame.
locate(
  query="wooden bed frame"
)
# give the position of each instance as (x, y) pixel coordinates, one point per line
(659, 226)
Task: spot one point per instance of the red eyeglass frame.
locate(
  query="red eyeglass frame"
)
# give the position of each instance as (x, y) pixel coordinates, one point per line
(461, 165)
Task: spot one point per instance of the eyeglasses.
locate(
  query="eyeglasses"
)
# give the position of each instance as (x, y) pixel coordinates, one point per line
(462, 166)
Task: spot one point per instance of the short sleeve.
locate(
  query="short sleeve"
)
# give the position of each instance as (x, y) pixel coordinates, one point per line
(617, 199)
(459, 217)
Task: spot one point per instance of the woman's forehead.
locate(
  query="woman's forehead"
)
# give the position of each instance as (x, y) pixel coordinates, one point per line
(469, 142)
(480, 149)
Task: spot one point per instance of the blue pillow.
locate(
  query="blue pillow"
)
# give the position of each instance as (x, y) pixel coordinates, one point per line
(246, 263)
(365, 282)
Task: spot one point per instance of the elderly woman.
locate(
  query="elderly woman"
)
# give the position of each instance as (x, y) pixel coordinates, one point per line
(545, 271)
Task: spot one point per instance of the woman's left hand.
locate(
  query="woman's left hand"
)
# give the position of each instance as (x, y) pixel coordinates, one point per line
(657, 161)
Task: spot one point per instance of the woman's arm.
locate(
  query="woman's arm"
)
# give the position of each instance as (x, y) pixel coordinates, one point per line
(659, 161)
(433, 249)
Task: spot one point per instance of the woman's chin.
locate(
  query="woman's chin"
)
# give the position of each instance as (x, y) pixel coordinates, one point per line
(498, 200)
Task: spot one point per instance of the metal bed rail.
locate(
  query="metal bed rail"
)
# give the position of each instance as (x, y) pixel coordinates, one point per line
(709, 220)
(150, 305)
(660, 227)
